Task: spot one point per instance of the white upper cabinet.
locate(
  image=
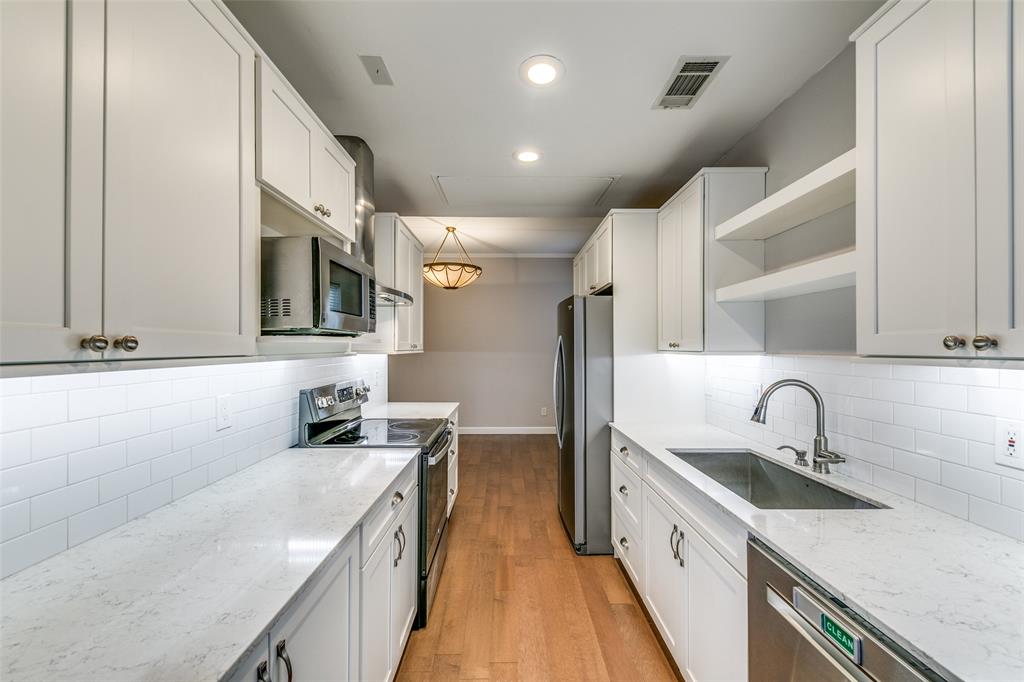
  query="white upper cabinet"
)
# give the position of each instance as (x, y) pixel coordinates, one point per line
(999, 58)
(300, 162)
(681, 271)
(592, 268)
(179, 236)
(51, 214)
(603, 248)
(136, 245)
(915, 180)
(692, 265)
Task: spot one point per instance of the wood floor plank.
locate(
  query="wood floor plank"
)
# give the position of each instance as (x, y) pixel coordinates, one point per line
(515, 602)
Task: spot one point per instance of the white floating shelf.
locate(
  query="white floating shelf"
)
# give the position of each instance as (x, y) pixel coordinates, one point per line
(817, 193)
(831, 272)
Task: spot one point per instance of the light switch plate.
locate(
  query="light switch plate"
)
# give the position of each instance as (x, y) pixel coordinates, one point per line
(224, 414)
(1008, 449)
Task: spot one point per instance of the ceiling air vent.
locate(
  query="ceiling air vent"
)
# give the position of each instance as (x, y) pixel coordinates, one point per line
(688, 81)
(376, 69)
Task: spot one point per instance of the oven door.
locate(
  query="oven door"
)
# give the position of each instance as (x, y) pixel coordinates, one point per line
(347, 296)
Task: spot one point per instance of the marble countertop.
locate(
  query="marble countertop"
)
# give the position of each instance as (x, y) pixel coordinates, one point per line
(183, 592)
(410, 410)
(950, 592)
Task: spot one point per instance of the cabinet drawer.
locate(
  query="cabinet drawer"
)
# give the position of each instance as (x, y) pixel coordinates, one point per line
(387, 509)
(629, 452)
(627, 547)
(728, 537)
(626, 492)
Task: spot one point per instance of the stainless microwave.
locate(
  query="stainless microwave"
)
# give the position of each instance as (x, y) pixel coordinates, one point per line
(310, 286)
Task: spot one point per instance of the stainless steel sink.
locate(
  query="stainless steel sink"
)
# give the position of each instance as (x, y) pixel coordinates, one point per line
(767, 485)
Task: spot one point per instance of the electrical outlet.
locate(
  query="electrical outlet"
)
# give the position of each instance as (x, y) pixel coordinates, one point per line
(225, 415)
(1009, 450)
(543, 411)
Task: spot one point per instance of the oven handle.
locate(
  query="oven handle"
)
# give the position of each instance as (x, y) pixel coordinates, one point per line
(433, 459)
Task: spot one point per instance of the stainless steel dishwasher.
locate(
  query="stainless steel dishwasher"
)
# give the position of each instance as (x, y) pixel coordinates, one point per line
(796, 632)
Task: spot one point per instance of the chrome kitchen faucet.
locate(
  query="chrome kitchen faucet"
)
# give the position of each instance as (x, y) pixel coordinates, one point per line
(822, 455)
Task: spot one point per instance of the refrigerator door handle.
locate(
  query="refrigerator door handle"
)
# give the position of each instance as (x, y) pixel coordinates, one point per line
(558, 380)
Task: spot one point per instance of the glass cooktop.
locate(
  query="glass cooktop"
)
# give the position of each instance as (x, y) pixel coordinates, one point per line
(383, 433)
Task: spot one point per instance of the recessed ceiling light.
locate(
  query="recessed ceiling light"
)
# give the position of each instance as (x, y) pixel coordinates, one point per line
(528, 156)
(541, 70)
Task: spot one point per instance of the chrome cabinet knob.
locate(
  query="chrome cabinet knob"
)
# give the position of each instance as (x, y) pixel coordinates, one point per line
(624, 543)
(952, 342)
(623, 490)
(396, 498)
(126, 343)
(96, 342)
(327, 212)
(319, 208)
(983, 342)
(624, 451)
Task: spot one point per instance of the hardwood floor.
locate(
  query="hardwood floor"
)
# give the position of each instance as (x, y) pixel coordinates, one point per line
(515, 602)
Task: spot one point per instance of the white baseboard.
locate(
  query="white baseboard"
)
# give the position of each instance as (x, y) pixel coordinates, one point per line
(506, 430)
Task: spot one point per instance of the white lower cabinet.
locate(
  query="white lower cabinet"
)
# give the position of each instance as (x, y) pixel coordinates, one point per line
(389, 585)
(664, 585)
(693, 593)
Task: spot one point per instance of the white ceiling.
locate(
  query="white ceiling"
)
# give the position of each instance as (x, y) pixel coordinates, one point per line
(490, 236)
(444, 135)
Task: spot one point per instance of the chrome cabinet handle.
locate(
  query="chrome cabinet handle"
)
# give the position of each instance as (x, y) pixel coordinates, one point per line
(126, 343)
(983, 342)
(319, 208)
(623, 490)
(624, 543)
(415, 345)
(282, 653)
(262, 673)
(673, 344)
(624, 451)
(399, 534)
(451, 453)
(327, 213)
(678, 551)
(451, 491)
(672, 541)
(952, 342)
(396, 498)
(96, 342)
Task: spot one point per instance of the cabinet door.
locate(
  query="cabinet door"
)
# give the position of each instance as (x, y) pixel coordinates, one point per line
(577, 276)
(377, 664)
(287, 140)
(179, 237)
(717, 615)
(319, 636)
(403, 282)
(404, 578)
(590, 267)
(681, 271)
(333, 186)
(51, 232)
(604, 253)
(416, 310)
(916, 180)
(999, 58)
(664, 583)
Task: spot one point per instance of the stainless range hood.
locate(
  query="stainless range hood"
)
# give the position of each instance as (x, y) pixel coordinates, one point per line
(363, 247)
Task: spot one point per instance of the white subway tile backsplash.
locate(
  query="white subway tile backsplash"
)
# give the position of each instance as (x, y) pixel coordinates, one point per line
(19, 412)
(14, 520)
(943, 499)
(18, 483)
(924, 432)
(971, 481)
(942, 447)
(123, 481)
(60, 439)
(95, 402)
(148, 499)
(123, 426)
(31, 548)
(15, 449)
(81, 453)
(96, 521)
(96, 461)
(64, 502)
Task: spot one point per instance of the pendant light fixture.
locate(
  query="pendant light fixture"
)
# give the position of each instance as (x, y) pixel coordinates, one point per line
(451, 274)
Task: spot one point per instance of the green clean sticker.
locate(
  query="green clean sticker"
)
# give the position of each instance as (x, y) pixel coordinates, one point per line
(838, 635)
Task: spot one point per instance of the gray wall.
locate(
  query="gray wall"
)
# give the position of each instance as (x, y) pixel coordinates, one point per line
(490, 346)
(815, 125)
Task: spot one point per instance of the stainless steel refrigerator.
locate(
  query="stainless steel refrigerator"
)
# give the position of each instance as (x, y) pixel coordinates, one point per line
(583, 408)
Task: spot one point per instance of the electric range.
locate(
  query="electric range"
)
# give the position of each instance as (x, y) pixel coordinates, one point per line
(330, 416)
